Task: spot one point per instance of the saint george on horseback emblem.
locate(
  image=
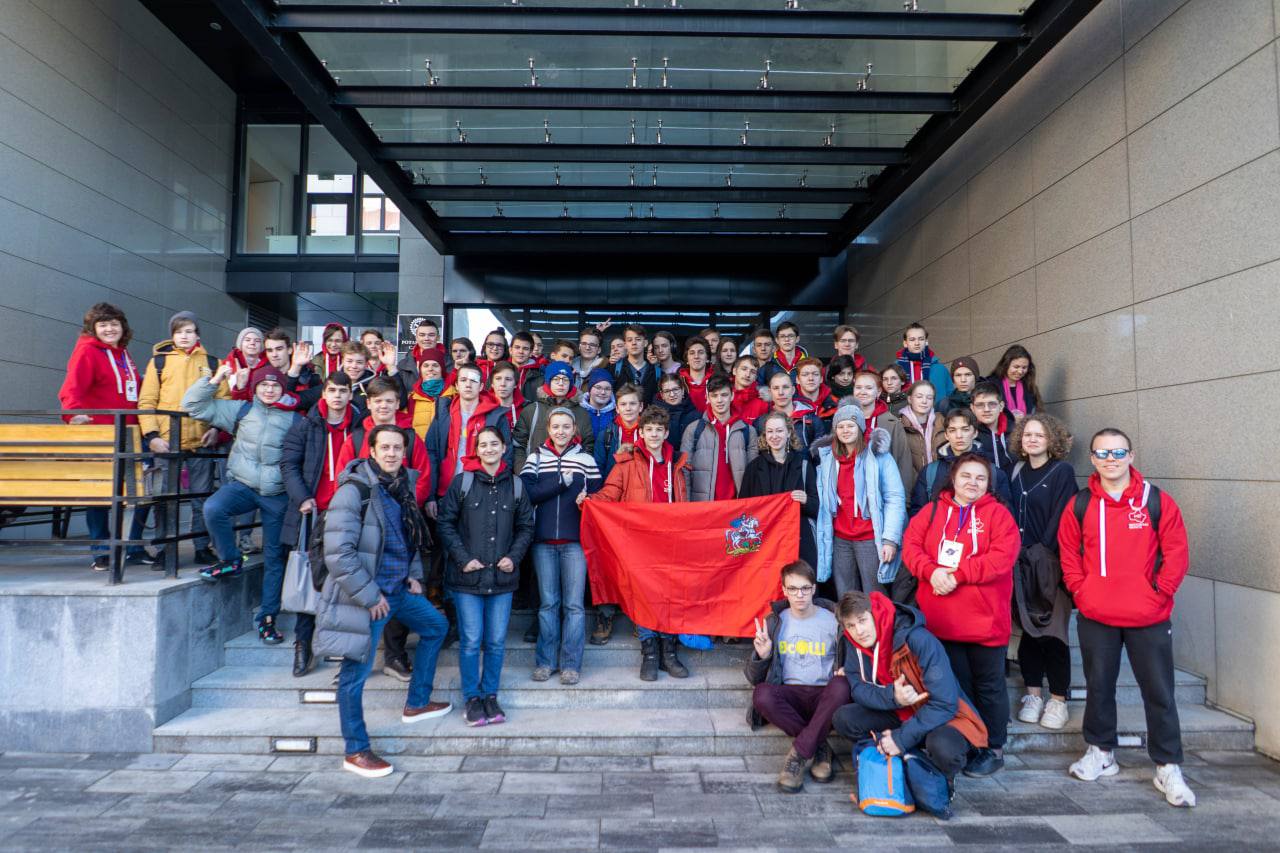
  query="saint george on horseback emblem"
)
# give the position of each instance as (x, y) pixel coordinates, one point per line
(743, 536)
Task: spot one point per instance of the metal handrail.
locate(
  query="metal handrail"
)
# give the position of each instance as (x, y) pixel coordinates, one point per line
(124, 494)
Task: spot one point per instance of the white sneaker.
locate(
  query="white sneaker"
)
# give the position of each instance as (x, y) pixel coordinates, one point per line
(1055, 715)
(1032, 705)
(1094, 764)
(1168, 781)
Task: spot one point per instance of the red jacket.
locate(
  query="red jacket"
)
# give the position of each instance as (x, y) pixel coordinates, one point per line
(418, 461)
(99, 377)
(1114, 585)
(747, 405)
(977, 610)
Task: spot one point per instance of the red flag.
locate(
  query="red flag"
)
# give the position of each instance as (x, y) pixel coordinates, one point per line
(691, 568)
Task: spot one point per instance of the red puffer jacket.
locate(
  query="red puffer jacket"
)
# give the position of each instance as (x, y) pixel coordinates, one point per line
(1115, 581)
(977, 610)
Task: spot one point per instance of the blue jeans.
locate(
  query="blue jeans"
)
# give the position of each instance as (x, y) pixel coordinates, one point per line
(562, 582)
(650, 634)
(98, 520)
(424, 620)
(481, 616)
(235, 498)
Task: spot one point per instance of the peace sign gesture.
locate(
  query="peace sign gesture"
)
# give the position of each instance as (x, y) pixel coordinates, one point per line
(762, 643)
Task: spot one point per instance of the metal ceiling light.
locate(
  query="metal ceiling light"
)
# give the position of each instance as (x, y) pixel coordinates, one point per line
(633, 131)
(864, 85)
(462, 134)
(432, 80)
(632, 177)
(728, 177)
(831, 137)
(546, 130)
(497, 209)
(664, 63)
(631, 211)
(635, 78)
(804, 178)
(484, 179)
(533, 74)
(654, 181)
(746, 129)
(764, 81)
(557, 173)
(715, 212)
(659, 137)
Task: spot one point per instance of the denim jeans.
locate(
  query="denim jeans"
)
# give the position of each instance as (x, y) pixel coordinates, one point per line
(481, 619)
(235, 498)
(650, 634)
(199, 479)
(425, 621)
(97, 519)
(562, 582)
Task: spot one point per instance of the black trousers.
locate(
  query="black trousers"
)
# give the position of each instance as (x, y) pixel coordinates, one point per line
(1151, 656)
(1045, 656)
(304, 627)
(945, 746)
(980, 671)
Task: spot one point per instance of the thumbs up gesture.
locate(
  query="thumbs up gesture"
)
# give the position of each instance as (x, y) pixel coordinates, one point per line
(763, 645)
(906, 695)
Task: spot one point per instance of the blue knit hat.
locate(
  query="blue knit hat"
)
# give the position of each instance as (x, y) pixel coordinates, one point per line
(598, 375)
(556, 368)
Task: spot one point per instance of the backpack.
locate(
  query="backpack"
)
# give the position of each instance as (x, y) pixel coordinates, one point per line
(882, 784)
(315, 548)
(469, 479)
(928, 785)
(159, 361)
(1081, 506)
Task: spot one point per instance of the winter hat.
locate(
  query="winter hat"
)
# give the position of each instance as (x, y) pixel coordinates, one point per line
(266, 373)
(245, 331)
(849, 413)
(966, 361)
(598, 375)
(563, 410)
(431, 355)
(181, 319)
(556, 368)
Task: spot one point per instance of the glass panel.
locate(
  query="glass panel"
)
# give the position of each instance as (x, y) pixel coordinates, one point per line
(379, 221)
(330, 202)
(990, 6)
(600, 210)
(270, 179)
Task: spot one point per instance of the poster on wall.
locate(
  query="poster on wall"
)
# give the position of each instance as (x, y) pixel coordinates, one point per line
(407, 329)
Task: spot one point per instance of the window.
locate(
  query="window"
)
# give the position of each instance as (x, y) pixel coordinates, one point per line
(379, 220)
(330, 201)
(269, 183)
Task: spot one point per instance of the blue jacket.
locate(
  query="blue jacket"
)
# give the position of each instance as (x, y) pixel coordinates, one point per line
(681, 415)
(938, 374)
(879, 493)
(939, 680)
(556, 514)
(935, 474)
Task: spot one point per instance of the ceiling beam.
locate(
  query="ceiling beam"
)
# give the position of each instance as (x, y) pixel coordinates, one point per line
(1046, 22)
(781, 155)
(639, 225)
(638, 194)
(658, 22)
(607, 244)
(625, 99)
(295, 64)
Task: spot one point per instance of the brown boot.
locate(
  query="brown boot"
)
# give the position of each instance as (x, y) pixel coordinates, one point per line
(821, 769)
(791, 777)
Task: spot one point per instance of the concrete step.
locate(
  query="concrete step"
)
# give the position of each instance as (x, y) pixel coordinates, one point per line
(602, 687)
(634, 731)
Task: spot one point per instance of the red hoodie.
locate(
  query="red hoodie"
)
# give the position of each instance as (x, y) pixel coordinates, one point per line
(747, 405)
(697, 390)
(874, 663)
(418, 460)
(484, 405)
(880, 409)
(825, 404)
(329, 362)
(335, 437)
(100, 377)
(1113, 582)
(977, 610)
(236, 360)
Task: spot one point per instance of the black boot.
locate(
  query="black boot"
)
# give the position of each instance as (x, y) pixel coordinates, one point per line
(451, 633)
(669, 663)
(303, 660)
(649, 659)
(531, 633)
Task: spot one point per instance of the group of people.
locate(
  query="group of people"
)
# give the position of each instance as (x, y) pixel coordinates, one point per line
(938, 510)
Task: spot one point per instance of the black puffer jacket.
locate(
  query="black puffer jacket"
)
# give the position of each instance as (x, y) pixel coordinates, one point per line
(766, 476)
(489, 523)
(302, 460)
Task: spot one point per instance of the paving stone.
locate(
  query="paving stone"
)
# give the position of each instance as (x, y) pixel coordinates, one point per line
(12, 823)
(651, 783)
(41, 759)
(162, 761)
(258, 805)
(784, 834)
(1110, 829)
(433, 834)
(342, 782)
(148, 781)
(863, 832)
(596, 763)
(550, 783)
(629, 834)
(805, 805)
(699, 763)
(600, 805)
(742, 783)
(179, 832)
(685, 802)
(991, 832)
(215, 761)
(473, 805)
(62, 833)
(276, 833)
(550, 834)
(391, 805)
(192, 806)
(66, 778)
(1007, 804)
(60, 803)
(120, 761)
(486, 782)
(235, 782)
(502, 763)
(1230, 758)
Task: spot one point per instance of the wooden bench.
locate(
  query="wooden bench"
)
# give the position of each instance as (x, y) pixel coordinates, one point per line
(65, 465)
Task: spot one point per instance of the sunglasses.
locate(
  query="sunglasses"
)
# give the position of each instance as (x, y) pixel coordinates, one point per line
(1117, 453)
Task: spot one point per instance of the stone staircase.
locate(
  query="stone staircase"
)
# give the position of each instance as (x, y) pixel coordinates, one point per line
(254, 700)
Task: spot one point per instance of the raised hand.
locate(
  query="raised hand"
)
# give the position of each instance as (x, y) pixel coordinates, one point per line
(905, 694)
(763, 645)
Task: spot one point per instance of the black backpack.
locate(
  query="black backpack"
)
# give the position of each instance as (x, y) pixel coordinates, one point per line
(160, 359)
(1081, 506)
(315, 547)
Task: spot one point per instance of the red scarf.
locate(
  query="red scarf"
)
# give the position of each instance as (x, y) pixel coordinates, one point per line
(697, 390)
(873, 420)
(551, 397)
(795, 358)
(627, 434)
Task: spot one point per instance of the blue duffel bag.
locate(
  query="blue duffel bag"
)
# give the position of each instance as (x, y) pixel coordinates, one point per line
(882, 784)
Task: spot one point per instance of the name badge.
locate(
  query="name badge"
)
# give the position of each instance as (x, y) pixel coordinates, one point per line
(949, 553)
(131, 390)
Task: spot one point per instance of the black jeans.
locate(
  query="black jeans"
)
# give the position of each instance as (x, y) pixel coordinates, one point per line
(1045, 656)
(980, 671)
(394, 637)
(1151, 656)
(945, 746)
(304, 628)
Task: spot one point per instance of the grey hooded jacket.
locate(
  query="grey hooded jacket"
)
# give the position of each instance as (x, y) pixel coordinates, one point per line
(254, 459)
(701, 451)
(352, 552)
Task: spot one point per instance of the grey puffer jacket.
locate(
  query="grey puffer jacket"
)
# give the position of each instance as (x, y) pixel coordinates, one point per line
(352, 552)
(259, 437)
(702, 450)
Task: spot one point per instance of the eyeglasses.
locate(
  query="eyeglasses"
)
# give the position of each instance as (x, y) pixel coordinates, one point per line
(1117, 453)
(672, 390)
(798, 590)
(990, 405)
(787, 336)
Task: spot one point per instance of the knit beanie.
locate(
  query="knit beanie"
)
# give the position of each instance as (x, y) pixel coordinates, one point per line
(598, 375)
(557, 368)
(849, 413)
(966, 361)
(240, 337)
(182, 318)
(266, 373)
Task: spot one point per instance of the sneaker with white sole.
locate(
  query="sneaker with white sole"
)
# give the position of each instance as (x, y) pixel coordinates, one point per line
(1168, 781)
(1094, 764)
(1055, 715)
(1032, 706)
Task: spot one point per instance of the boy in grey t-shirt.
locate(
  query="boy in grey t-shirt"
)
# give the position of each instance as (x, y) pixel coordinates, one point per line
(793, 661)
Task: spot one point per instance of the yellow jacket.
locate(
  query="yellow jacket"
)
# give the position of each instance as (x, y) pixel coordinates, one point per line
(163, 389)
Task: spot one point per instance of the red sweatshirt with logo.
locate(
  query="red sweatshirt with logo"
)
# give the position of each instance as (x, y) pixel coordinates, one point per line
(1115, 581)
(418, 459)
(99, 377)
